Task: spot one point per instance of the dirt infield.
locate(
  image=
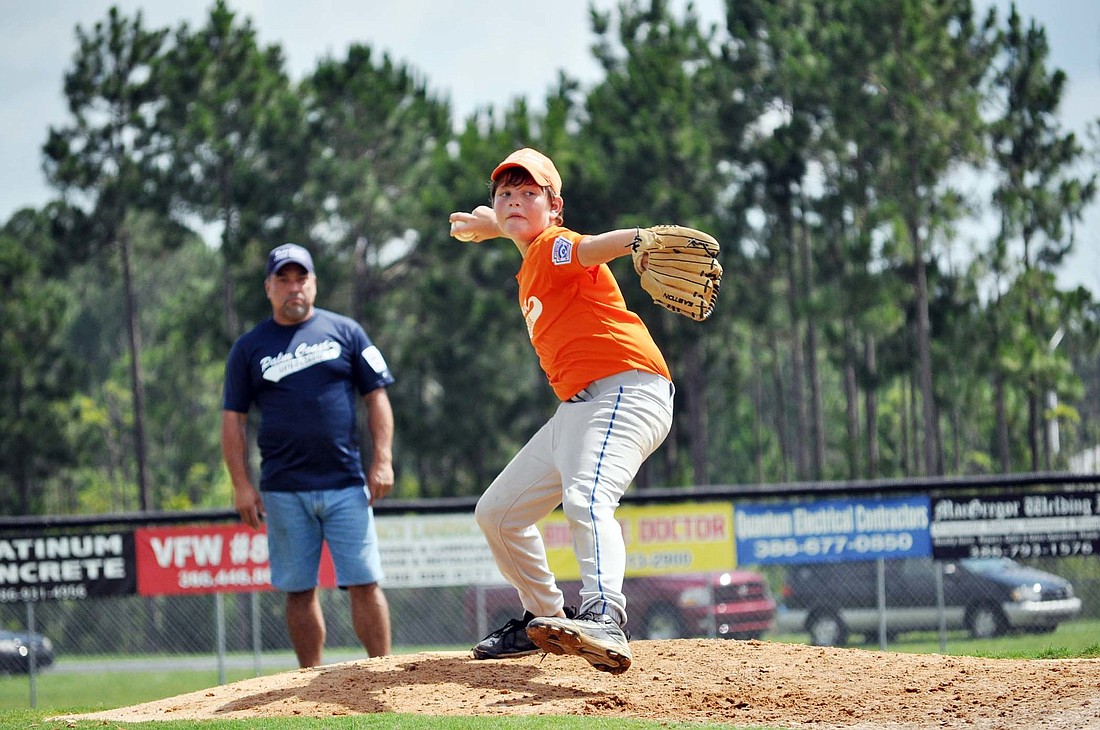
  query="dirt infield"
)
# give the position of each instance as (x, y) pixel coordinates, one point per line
(704, 680)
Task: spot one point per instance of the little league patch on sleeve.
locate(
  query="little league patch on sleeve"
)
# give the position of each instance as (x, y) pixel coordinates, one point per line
(563, 251)
(374, 358)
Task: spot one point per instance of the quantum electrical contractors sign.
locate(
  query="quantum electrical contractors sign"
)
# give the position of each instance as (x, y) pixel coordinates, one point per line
(832, 530)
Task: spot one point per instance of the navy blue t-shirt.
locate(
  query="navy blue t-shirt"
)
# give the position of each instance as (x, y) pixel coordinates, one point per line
(306, 380)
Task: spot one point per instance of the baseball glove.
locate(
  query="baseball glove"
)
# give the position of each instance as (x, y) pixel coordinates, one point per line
(679, 268)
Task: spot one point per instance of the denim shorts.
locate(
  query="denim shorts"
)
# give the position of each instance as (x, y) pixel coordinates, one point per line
(297, 524)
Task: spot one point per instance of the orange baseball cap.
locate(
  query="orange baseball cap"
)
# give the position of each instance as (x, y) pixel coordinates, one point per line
(537, 164)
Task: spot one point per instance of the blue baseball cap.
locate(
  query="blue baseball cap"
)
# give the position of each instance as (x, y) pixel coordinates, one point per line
(288, 253)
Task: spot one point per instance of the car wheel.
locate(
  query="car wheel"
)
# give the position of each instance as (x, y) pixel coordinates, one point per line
(826, 629)
(662, 622)
(985, 621)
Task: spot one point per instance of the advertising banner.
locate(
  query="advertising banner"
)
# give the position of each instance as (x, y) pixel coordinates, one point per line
(208, 559)
(70, 566)
(660, 539)
(434, 550)
(833, 530)
(1016, 526)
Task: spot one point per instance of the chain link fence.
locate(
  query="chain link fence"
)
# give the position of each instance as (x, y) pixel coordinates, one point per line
(834, 604)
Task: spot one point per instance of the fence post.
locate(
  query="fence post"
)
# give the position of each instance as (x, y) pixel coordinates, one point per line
(881, 565)
(219, 618)
(32, 656)
(257, 641)
(712, 625)
(941, 607)
(482, 619)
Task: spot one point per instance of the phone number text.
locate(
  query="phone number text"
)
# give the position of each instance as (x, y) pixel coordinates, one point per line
(659, 560)
(66, 592)
(1053, 548)
(791, 547)
(259, 576)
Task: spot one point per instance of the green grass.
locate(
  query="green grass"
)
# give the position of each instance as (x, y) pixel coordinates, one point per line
(1073, 640)
(89, 692)
(104, 690)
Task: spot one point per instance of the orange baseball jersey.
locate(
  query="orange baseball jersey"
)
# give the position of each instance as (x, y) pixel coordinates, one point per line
(577, 318)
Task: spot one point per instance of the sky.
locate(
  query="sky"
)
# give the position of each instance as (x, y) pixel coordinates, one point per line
(477, 53)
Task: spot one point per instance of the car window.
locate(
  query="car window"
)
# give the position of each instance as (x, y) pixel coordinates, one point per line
(986, 565)
(915, 569)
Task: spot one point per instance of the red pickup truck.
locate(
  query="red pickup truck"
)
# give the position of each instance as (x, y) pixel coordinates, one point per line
(735, 604)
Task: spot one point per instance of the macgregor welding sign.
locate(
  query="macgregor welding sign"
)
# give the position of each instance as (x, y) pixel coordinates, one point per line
(1049, 524)
(66, 566)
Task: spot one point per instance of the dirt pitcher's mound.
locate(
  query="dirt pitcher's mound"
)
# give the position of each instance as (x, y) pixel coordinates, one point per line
(719, 681)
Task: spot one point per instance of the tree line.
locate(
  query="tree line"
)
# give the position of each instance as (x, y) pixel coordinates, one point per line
(864, 329)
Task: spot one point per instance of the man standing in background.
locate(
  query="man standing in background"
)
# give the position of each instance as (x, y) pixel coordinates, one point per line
(304, 368)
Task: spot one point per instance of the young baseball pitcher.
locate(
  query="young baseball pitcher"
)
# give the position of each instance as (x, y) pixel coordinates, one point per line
(616, 406)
